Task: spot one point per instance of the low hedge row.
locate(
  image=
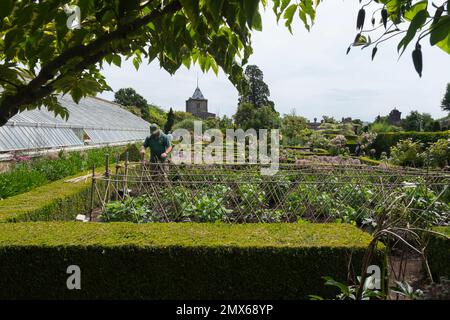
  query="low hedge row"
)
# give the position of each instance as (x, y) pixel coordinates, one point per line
(59, 200)
(178, 261)
(438, 253)
(384, 141)
(369, 161)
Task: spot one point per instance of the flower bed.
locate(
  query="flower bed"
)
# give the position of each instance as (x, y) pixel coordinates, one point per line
(27, 175)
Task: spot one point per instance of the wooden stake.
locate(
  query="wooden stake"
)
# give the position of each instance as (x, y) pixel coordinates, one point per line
(92, 192)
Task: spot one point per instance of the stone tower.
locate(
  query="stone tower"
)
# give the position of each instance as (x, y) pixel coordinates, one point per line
(395, 117)
(198, 105)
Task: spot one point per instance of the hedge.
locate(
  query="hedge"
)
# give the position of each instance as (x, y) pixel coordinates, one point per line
(59, 200)
(438, 253)
(369, 161)
(384, 141)
(176, 260)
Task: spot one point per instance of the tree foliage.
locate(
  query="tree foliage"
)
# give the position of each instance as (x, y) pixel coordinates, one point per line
(293, 128)
(250, 117)
(128, 97)
(413, 20)
(170, 121)
(258, 91)
(41, 57)
(445, 104)
(417, 121)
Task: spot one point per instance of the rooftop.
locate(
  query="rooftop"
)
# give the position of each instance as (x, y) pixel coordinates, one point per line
(97, 120)
(198, 95)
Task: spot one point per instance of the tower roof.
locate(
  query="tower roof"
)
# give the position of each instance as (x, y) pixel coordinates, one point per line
(198, 95)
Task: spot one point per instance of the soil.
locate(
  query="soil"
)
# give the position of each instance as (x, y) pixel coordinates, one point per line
(96, 214)
(410, 271)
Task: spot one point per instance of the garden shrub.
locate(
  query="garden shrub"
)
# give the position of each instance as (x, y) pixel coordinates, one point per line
(369, 161)
(338, 144)
(385, 140)
(438, 253)
(407, 153)
(439, 153)
(178, 260)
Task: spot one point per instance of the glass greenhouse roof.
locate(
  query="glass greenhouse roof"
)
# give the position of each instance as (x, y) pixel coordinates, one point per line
(94, 119)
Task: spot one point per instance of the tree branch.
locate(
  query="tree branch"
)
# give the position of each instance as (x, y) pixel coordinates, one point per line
(37, 89)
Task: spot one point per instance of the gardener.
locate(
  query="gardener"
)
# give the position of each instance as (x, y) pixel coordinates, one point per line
(160, 147)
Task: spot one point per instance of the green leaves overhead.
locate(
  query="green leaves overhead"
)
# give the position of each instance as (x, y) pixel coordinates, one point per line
(56, 59)
(287, 9)
(440, 33)
(414, 20)
(418, 15)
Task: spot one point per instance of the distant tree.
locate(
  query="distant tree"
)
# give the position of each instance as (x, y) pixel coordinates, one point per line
(436, 126)
(257, 92)
(211, 122)
(266, 118)
(181, 115)
(157, 115)
(128, 97)
(243, 115)
(417, 121)
(327, 119)
(292, 128)
(226, 123)
(445, 104)
(170, 121)
(188, 124)
(248, 116)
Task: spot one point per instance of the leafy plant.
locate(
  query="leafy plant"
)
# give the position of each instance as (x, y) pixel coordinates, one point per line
(405, 289)
(208, 205)
(439, 153)
(130, 209)
(407, 153)
(349, 292)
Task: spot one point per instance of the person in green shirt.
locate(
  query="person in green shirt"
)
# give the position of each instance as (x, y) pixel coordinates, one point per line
(160, 147)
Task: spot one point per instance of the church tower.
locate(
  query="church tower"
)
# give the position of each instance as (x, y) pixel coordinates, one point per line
(198, 105)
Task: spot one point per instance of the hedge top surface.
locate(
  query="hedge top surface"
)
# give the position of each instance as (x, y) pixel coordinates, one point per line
(282, 235)
(39, 197)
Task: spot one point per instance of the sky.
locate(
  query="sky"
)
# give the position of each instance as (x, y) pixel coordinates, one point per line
(308, 72)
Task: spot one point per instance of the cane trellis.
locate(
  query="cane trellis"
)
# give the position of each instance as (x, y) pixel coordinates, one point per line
(240, 194)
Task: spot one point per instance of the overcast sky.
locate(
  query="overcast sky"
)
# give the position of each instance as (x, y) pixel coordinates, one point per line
(308, 72)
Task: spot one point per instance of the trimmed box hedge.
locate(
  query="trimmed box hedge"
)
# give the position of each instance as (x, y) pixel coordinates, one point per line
(177, 261)
(438, 253)
(384, 141)
(59, 200)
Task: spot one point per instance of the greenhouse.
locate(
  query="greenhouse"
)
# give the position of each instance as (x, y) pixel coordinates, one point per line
(93, 121)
